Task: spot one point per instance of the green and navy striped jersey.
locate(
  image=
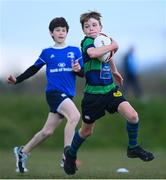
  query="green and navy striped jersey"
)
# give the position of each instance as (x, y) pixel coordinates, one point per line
(98, 75)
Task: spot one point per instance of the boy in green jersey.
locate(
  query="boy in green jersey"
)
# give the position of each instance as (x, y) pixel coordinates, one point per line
(101, 94)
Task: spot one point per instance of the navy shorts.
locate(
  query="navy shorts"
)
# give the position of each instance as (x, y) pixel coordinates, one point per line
(54, 99)
(95, 105)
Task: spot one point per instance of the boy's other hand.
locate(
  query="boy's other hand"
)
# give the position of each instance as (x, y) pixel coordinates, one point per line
(118, 78)
(75, 66)
(11, 80)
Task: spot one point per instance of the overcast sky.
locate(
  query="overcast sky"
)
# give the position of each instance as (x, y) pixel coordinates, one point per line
(24, 28)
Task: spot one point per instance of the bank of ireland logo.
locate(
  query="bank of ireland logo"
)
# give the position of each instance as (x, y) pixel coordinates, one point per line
(61, 65)
(70, 55)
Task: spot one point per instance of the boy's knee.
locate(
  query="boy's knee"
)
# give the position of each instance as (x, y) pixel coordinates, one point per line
(74, 119)
(134, 117)
(85, 132)
(77, 118)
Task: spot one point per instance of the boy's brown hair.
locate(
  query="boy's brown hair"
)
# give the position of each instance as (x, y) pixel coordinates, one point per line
(91, 14)
(58, 22)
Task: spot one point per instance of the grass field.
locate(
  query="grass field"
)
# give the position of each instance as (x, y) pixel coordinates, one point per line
(96, 164)
(22, 116)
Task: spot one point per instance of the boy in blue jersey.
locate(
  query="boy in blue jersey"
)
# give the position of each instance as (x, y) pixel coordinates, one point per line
(63, 63)
(101, 94)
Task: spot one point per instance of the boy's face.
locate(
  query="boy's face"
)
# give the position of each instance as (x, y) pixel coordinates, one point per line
(59, 34)
(92, 28)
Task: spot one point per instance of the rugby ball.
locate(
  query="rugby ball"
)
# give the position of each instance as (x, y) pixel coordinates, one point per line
(103, 40)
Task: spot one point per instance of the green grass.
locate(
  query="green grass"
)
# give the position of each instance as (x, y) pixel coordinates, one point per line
(24, 115)
(96, 164)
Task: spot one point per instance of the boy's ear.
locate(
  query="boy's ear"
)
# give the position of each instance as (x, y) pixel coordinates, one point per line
(51, 34)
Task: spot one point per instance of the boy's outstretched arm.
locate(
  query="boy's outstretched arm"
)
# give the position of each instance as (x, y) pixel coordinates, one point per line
(28, 73)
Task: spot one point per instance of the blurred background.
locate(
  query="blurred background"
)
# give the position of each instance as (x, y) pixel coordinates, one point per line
(139, 24)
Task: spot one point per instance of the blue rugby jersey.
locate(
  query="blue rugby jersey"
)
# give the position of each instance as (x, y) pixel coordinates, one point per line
(59, 73)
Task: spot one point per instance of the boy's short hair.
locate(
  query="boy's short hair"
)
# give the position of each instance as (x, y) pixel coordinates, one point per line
(58, 22)
(91, 14)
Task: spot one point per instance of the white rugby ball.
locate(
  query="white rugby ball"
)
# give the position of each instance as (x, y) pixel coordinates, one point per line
(103, 40)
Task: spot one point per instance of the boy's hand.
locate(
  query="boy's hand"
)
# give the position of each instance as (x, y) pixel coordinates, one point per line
(11, 80)
(75, 66)
(111, 56)
(116, 44)
(118, 78)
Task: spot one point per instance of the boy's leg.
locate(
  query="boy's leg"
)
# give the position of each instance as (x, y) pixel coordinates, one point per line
(89, 115)
(71, 152)
(21, 153)
(134, 150)
(53, 120)
(68, 109)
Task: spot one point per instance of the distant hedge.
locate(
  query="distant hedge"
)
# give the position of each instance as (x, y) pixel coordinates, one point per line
(21, 116)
